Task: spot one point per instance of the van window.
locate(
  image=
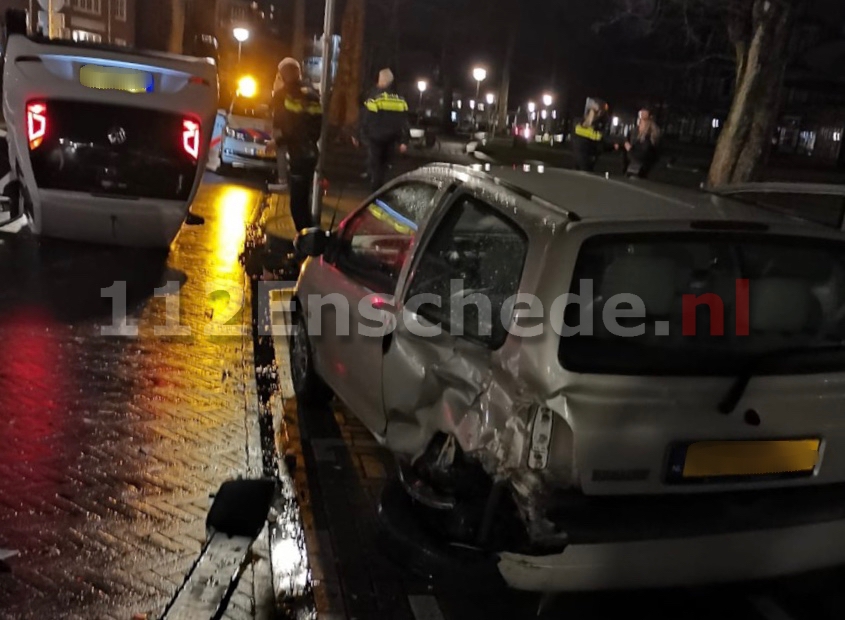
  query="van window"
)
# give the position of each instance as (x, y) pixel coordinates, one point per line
(706, 304)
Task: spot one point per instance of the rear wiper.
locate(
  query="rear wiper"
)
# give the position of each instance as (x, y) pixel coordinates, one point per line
(737, 389)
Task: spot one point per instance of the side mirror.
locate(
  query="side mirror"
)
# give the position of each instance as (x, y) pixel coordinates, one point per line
(312, 242)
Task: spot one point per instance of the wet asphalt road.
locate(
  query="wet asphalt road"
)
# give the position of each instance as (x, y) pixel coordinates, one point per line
(111, 444)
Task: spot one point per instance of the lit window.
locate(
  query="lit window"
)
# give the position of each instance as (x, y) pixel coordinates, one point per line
(837, 136)
(122, 42)
(716, 123)
(87, 37)
(120, 10)
(88, 6)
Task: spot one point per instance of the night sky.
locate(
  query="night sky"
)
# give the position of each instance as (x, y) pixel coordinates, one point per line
(558, 49)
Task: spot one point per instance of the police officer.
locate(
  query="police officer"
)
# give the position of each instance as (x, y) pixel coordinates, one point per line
(588, 139)
(297, 120)
(384, 127)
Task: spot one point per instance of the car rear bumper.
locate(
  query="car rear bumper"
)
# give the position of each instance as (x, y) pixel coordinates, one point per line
(758, 554)
(237, 160)
(115, 221)
(237, 154)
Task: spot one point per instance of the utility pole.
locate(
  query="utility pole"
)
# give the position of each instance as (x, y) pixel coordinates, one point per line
(325, 78)
(299, 30)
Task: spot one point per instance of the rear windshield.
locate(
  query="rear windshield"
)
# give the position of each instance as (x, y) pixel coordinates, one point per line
(706, 304)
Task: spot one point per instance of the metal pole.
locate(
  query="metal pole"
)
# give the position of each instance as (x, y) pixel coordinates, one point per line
(325, 77)
(240, 43)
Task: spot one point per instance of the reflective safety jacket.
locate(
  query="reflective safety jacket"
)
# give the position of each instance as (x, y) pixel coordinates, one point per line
(588, 143)
(385, 118)
(588, 133)
(297, 120)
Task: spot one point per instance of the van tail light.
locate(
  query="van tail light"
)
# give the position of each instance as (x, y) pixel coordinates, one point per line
(36, 123)
(191, 137)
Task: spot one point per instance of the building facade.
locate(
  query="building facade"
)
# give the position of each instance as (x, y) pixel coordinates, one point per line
(95, 21)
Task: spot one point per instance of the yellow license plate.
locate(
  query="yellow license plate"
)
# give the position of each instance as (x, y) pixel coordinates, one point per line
(708, 459)
(116, 78)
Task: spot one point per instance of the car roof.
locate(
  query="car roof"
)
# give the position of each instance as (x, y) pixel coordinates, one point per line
(784, 187)
(584, 196)
(595, 197)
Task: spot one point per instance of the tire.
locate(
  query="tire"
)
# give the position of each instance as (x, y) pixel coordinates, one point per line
(307, 385)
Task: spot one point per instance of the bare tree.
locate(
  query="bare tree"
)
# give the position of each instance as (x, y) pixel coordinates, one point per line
(756, 34)
(760, 31)
(299, 29)
(513, 21)
(346, 94)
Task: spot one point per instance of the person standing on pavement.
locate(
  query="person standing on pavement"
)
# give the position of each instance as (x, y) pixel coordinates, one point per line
(384, 127)
(641, 149)
(297, 121)
(588, 139)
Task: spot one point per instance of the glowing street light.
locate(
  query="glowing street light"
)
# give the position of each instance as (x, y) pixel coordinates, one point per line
(547, 100)
(422, 86)
(247, 87)
(241, 36)
(531, 106)
(479, 74)
(491, 98)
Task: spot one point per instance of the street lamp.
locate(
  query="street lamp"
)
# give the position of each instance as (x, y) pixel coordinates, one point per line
(241, 36)
(479, 74)
(547, 100)
(491, 99)
(247, 87)
(422, 85)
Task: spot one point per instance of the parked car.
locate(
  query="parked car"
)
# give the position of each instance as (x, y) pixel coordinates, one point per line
(692, 435)
(243, 138)
(107, 144)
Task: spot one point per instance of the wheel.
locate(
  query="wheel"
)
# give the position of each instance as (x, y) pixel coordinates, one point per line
(307, 384)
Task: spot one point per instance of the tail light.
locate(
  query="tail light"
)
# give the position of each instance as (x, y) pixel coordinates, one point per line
(36, 123)
(191, 138)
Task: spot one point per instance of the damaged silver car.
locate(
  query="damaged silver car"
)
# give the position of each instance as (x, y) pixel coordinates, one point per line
(598, 383)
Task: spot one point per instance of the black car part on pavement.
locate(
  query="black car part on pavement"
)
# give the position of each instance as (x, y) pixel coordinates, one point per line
(236, 518)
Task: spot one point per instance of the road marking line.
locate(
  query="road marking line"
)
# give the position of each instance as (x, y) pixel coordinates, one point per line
(767, 607)
(425, 608)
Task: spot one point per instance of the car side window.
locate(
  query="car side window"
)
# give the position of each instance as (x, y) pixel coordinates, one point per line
(374, 243)
(472, 265)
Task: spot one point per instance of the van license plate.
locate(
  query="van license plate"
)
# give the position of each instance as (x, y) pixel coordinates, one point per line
(726, 459)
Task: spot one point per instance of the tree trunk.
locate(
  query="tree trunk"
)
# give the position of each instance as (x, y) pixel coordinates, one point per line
(762, 55)
(396, 34)
(446, 74)
(177, 26)
(299, 30)
(346, 96)
(505, 87)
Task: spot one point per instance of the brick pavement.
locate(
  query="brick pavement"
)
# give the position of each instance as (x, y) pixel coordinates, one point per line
(111, 446)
